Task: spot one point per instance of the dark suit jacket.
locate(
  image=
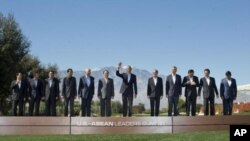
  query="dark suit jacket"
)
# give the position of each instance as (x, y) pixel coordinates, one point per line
(84, 90)
(190, 90)
(127, 88)
(69, 87)
(106, 90)
(155, 90)
(173, 89)
(36, 91)
(18, 93)
(52, 91)
(227, 91)
(208, 90)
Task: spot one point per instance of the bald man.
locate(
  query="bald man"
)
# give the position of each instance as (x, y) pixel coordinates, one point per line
(86, 91)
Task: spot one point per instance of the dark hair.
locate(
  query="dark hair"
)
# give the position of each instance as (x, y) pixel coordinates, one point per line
(191, 71)
(69, 69)
(18, 73)
(207, 70)
(156, 71)
(105, 71)
(228, 73)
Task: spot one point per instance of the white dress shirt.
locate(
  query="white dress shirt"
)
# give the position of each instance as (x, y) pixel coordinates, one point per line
(229, 82)
(208, 80)
(155, 80)
(174, 78)
(129, 77)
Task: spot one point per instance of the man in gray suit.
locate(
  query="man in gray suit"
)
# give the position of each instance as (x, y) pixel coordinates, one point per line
(173, 91)
(105, 93)
(209, 87)
(228, 93)
(69, 92)
(51, 94)
(155, 92)
(36, 93)
(128, 89)
(19, 92)
(86, 91)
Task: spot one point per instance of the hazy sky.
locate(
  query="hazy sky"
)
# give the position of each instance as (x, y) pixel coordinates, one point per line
(144, 33)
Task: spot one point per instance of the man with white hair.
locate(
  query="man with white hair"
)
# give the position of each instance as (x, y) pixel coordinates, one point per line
(86, 91)
(128, 89)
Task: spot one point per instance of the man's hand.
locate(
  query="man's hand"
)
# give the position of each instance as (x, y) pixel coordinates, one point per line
(222, 97)
(29, 98)
(161, 97)
(112, 97)
(148, 97)
(99, 97)
(119, 65)
(57, 98)
(193, 83)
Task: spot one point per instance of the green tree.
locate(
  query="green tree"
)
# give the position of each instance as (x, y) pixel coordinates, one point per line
(13, 47)
(15, 57)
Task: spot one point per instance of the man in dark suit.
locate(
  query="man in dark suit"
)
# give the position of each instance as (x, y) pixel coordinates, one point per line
(173, 91)
(228, 93)
(86, 91)
(190, 83)
(128, 89)
(155, 92)
(19, 92)
(106, 91)
(69, 92)
(35, 93)
(209, 87)
(51, 94)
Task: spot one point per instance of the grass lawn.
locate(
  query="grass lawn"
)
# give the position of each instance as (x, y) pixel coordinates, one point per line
(195, 136)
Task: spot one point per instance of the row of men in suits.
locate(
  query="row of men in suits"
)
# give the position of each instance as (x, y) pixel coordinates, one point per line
(49, 91)
(36, 90)
(174, 84)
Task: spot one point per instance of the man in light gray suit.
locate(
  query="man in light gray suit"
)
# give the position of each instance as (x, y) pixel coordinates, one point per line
(86, 91)
(69, 92)
(173, 91)
(105, 93)
(228, 93)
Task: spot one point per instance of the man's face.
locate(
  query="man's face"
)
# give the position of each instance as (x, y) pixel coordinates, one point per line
(51, 75)
(70, 73)
(106, 74)
(129, 70)
(206, 73)
(155, 73)
(228, 77)
(36, 75)
(190, 74)
(88, 72)
(174, 70)
(19, 76)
